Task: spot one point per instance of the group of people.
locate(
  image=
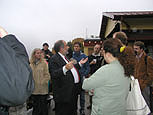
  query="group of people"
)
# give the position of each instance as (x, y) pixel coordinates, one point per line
(105, 74)
(108, 80)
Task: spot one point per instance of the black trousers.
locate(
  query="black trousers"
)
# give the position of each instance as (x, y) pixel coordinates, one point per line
(146, 95)
(40, 105)
(65, 109)
(68, 108)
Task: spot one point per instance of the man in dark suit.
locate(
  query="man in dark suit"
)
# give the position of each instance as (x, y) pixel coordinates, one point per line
(65, 80)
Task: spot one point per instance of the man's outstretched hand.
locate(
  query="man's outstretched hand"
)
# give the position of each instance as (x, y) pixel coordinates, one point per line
(83, 60)
(2, 32)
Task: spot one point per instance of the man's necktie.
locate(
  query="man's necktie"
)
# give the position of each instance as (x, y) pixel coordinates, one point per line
(74, 72)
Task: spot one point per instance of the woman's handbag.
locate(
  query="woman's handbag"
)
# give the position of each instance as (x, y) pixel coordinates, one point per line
(136, 104)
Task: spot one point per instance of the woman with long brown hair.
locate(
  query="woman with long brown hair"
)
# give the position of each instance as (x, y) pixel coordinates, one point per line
(111, 82)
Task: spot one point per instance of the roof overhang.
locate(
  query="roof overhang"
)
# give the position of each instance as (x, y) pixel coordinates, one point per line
(111, 19)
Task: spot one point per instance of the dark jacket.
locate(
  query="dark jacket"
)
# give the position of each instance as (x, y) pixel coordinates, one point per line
(47, 52)
(95, 67)
(64, 87)
(16, 80)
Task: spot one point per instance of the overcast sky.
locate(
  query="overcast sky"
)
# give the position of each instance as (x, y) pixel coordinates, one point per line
(37, 21)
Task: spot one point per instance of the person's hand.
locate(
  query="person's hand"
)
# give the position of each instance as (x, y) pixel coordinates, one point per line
(83, 60)
(48, 56)
(91, 92)
(74, 61)
(69, 65)
(2, 32)
(92, 62)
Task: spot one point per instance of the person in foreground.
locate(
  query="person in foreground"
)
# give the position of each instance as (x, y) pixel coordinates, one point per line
(16, 80)
(65, 80)
(110, 84)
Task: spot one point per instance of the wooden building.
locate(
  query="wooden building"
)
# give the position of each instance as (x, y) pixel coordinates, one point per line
(137, 25)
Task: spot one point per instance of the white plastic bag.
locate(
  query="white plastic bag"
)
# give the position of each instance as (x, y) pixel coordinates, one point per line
(136, 104)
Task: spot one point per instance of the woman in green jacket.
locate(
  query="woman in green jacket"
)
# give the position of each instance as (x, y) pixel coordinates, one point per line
(110, 84)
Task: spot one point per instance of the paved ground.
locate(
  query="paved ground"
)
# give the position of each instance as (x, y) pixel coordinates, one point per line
(87, 112)
(51, 112)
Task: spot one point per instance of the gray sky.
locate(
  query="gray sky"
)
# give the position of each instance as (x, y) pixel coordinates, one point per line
(37, 21)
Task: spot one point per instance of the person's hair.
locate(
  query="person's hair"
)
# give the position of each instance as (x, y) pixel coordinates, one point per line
(126, 57)
(98, 45)
(69, 53)
(59, 44)
(45, 44)
(32, 59)
(140, 44)
(77, 43)
(121, 36)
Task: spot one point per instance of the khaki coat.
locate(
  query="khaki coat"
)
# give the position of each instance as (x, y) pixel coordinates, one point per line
(41, 77)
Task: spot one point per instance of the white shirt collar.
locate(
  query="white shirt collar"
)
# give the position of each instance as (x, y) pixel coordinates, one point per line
(61, 55)
(95, 54)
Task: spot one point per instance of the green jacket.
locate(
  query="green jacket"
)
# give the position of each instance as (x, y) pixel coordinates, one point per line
(111, 88)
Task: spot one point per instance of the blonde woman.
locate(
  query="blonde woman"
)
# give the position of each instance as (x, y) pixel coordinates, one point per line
(41, 77)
